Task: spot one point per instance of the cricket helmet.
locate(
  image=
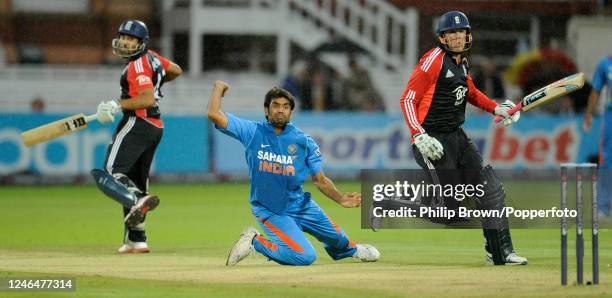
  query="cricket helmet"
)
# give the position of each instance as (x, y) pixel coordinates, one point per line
(455, 20)
(134, 28)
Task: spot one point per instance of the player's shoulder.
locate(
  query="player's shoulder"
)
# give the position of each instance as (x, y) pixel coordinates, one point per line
(604, 66)
(138, 65)
(299, 135)
(429, 58)
(156, 54)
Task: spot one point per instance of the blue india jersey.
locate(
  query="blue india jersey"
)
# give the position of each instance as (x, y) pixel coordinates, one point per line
(603, 77)
(278, 164)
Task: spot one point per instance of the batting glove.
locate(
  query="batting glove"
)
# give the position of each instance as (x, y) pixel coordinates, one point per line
(429, 146)
(502, 110)
(107, 110)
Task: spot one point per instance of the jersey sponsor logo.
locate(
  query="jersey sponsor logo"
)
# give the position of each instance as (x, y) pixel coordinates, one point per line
(275, 163)
(460, 93)
(143, 80)
(265, 145)
(270, 156)
(449, 74)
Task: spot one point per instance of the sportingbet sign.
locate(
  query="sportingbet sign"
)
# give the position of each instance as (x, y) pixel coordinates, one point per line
(350, 142)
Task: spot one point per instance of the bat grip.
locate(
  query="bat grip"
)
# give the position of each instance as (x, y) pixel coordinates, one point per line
(91, 117)
(511, 112)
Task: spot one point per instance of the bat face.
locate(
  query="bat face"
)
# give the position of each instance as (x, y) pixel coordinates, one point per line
(54, 129)
(547, 93)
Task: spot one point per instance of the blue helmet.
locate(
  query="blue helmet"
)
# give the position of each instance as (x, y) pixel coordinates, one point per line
(453, 20)
(134, 28)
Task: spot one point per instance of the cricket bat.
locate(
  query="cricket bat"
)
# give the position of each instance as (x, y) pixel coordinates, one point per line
(548, 93)
(56, 129)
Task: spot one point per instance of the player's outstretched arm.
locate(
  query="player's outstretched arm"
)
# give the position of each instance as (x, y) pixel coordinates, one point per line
(214, 104)
(173, 72)
(327, 187)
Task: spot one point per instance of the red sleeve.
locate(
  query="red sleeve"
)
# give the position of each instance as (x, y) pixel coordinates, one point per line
(411, 98)
(139, 75)
(165, 62)
(479, 99)
(417, 96)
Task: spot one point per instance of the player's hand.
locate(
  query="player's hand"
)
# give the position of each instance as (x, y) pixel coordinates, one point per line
(502, 110)
(587, 122)
(429, 146)
(106, 111)
(350, 200)
(221, 86)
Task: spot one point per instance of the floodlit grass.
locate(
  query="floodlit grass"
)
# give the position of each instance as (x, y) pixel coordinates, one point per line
(74, 231)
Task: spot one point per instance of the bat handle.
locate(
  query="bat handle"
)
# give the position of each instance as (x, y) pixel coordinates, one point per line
(91, 117)
(516, 108)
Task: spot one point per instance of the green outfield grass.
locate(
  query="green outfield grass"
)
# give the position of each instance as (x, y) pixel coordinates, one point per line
(74, 231)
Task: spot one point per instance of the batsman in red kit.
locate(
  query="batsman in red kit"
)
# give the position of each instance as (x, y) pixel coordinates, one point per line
(125, 177)
(433, 104)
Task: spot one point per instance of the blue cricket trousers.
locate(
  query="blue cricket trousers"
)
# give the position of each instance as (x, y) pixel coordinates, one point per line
(287, 244)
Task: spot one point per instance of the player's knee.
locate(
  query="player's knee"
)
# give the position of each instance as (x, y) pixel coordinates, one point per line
(494, 193)
(307, 258)
(127, 182)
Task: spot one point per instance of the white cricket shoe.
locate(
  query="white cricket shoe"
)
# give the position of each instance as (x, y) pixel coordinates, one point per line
(133, 247)
(366, 253)
(243, 247)
(511, 259)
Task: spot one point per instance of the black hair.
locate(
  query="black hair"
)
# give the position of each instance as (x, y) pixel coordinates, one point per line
(277, 92)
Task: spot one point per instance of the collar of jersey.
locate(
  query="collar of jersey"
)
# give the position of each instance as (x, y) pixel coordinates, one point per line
(289, 127)
(145, 51)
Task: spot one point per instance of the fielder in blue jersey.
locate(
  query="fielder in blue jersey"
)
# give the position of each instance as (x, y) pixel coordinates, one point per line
(601, 78)
(280, 158)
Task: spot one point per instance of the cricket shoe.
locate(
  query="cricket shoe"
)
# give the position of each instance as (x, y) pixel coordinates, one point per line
(511, 259)
(138, 212)
(243, 247)
(133, 247)
(366, 253)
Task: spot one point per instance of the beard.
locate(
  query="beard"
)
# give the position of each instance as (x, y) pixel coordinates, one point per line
(277, 122)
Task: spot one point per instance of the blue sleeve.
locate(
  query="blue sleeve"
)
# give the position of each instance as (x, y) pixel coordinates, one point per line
(599, 77)
(314, 161)
(240, 129)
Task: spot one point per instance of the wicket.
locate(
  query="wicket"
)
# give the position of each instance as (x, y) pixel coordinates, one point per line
(579, 167)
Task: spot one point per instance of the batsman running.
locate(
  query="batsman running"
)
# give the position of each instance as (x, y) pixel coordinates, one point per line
(280, 157)
(125, 177)
(433, 104)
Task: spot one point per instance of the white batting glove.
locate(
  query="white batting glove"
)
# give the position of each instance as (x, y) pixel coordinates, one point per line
(429, 146)
(107, 110)
(502, 110)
